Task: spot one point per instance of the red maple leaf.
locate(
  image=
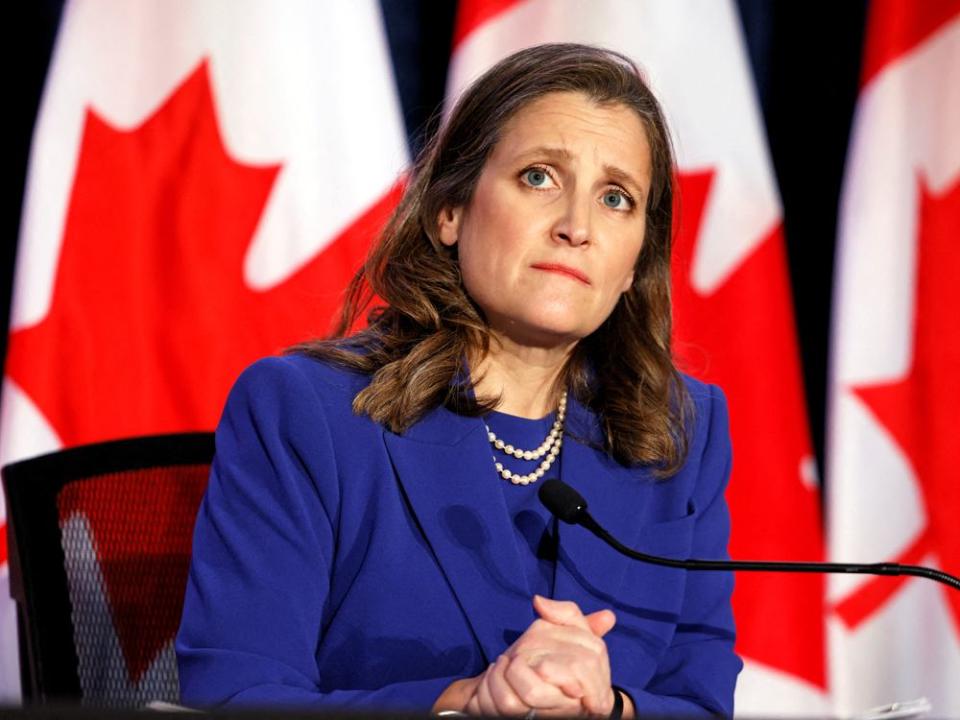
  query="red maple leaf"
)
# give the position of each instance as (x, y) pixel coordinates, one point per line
(150, 320)
(741, 336)
(918, 409)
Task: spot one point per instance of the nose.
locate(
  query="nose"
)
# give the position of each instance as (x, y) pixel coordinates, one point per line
(573, 224)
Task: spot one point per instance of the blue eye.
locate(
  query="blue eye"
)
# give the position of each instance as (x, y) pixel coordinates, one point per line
(617, 200)
(535, 177)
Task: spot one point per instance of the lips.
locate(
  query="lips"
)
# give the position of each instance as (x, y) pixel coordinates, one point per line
(562, 270)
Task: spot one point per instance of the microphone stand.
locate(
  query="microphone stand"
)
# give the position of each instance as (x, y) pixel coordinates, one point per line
(568, 505)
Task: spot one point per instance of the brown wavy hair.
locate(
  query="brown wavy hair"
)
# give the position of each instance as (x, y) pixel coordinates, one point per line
(418, 342)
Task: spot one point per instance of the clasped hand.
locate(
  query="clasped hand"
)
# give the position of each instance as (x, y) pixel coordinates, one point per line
(558, 667)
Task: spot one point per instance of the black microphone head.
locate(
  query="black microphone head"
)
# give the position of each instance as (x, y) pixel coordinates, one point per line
(562, 500)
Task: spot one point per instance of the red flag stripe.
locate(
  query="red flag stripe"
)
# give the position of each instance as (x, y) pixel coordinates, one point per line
(890, 416)
(471, 15)
(895, 27)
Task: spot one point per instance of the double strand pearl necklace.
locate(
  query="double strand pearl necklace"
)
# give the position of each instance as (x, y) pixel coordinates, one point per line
(549, 447)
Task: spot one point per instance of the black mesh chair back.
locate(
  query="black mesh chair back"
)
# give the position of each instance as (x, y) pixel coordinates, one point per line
(99, 546)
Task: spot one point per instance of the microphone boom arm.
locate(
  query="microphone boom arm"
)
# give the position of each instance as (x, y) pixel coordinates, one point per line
(568, 505)
(586, 520)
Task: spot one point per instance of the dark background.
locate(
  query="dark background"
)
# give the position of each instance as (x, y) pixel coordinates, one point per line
(806, 64)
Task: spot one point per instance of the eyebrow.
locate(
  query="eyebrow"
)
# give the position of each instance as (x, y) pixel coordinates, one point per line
(619, 175)
(548, 151)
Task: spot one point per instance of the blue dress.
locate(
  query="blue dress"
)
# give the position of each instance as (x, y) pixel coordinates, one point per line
(337, 564)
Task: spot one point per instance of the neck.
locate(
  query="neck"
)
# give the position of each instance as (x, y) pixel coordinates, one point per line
(525, 378)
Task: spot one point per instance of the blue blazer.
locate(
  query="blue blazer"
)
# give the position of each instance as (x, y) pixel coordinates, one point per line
(336, 563)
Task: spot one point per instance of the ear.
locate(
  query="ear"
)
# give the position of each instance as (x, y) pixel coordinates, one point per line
(448, 225)
(627, 282)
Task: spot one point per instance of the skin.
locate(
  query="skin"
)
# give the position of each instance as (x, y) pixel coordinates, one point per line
(566, 185)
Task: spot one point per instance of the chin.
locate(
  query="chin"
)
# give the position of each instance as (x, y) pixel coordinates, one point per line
(545, 331)
(566, 319)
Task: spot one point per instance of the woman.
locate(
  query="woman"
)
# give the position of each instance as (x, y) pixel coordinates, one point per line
(371, 535)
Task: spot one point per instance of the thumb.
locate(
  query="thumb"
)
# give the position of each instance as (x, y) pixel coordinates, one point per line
(601, 622)
(560, 612)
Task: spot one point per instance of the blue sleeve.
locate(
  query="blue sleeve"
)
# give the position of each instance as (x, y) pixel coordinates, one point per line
(697, 674)
(262, 551)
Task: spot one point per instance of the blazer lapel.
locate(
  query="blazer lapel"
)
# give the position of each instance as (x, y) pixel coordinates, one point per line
(594, 575)
(589, 571)
(445, 466)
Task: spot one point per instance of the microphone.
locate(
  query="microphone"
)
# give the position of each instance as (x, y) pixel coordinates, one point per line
(569, 506)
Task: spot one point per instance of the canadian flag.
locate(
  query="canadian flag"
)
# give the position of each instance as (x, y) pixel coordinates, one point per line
(205, 177)
(734, 318)
(893, 471)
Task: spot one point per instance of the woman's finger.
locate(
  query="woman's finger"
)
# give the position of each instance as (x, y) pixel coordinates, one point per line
(601, 622)
(536, 692)
(568, 613)
(505, 700)
(560, 612)
(473, 704)
(600, 705)
(590, 673)
(484, 698)
(546, 636)
(557, 670)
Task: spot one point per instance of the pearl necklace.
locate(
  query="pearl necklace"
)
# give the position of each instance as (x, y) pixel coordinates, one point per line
(549, 447)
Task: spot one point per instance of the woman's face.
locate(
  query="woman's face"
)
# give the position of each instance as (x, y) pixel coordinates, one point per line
(550, 238)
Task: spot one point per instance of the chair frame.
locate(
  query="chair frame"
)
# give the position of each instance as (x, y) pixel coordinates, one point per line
(38, 579)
